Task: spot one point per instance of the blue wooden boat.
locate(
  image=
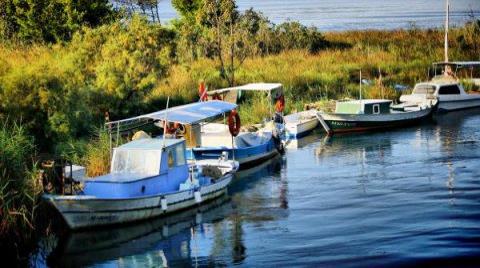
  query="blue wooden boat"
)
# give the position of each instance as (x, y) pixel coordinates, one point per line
(207, 139)
(148, 178)
(248, 148)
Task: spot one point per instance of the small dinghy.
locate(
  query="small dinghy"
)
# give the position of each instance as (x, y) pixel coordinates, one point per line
(371, 114)
(298, 125)
(148, 178)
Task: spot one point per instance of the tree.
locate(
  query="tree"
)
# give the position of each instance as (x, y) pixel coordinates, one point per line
(188, 28)
(50, 20)
(147, 8)
(7, 19)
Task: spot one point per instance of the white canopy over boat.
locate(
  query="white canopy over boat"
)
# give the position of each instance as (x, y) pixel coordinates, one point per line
(273, 90)
(267, 87)
(460, 64)
(188, 114)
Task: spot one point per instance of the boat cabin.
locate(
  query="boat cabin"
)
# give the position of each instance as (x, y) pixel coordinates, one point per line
(438, 87)
(372, 106)
(141, 168)
(190, 118)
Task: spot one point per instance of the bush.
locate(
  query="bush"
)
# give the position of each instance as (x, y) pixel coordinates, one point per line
(60, 92)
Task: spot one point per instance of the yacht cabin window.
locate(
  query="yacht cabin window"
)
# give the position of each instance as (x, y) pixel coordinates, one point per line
(449, 90)
(424, 89)
(376, 108)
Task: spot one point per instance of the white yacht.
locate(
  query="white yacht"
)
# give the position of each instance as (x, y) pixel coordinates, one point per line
(447, 89)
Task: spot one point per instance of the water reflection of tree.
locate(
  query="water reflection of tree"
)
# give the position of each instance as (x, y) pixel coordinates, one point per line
(362, 150)
(249, 206)
(238, 249)
(452, 134)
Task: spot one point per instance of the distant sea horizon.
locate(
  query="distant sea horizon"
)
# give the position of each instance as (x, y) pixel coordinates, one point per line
(344, 15)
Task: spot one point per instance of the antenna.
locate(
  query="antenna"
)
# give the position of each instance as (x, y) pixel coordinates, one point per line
(447, 18)
(360, 84)
(165, 123)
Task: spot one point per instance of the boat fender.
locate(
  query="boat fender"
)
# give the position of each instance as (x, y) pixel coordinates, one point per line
(280, 104)
(198, 196)
(234, 123)
(163, 203)
(202, 92)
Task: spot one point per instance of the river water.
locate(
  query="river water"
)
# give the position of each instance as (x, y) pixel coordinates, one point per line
(339, 15)
(404, 197)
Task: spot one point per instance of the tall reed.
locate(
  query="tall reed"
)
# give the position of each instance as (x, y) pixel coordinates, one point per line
(97, 155)
(19, 184)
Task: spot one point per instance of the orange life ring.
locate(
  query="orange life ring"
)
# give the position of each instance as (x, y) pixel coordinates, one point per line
(280, 104)
(234, 123)
(216, 96)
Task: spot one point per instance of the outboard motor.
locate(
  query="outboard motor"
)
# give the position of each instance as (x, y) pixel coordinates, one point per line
(55, 178)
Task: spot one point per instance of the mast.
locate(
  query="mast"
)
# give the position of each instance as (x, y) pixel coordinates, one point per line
(447, 17)
(165, 123)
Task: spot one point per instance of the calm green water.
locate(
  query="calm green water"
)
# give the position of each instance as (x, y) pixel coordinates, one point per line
(405, 197)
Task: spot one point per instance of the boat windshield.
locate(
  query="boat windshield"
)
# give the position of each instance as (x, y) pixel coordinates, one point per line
(424, 89)
(146, 162)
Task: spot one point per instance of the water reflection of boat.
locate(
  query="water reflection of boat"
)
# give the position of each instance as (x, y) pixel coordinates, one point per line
(159, 241)
(343, 144)
(302, 142)
(452, 129)
(455, 119)
(272, 166)
(267, 187)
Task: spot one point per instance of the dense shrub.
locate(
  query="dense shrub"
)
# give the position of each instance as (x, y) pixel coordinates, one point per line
(61, 92)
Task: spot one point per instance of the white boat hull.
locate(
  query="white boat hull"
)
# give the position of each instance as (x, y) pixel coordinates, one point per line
(448, 106)
(300, 124)
(87, 211)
